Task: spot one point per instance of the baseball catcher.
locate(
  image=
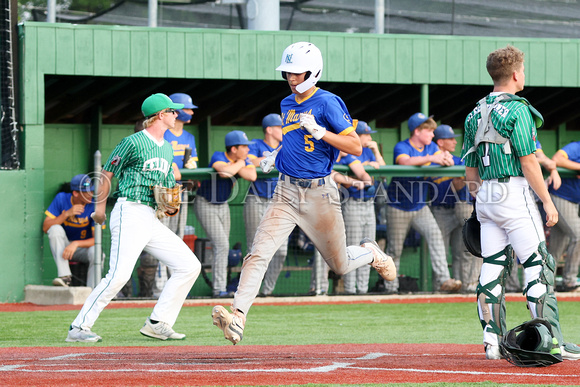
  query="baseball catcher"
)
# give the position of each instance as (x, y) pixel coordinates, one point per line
(472, 234)
(531, 344)
(168, 200)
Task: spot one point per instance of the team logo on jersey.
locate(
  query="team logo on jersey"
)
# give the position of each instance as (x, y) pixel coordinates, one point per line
(116, 160)
(347, 118)
(156, 164)
(288, 58)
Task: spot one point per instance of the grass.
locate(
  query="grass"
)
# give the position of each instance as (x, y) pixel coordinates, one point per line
(284, 325)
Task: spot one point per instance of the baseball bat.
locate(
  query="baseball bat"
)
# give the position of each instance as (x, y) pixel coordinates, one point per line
(186, 155)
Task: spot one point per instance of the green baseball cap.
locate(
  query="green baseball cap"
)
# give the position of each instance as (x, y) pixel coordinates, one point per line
(157, 102)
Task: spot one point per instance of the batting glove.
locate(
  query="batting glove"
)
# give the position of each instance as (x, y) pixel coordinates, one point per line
(308, 122)
(267, 163)
(191, 164)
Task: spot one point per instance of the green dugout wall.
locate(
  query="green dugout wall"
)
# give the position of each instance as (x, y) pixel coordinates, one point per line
(400, 74)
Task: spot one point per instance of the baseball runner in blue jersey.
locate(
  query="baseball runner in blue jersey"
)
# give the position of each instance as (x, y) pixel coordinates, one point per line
(317, 126)
(500, 166)
(260, 195)
(141, 161)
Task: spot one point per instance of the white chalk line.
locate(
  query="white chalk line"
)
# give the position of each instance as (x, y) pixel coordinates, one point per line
(322, 369)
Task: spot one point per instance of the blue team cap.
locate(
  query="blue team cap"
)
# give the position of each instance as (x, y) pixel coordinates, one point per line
(444, 131)
(416, 120)
(364, 128)
(237, 137)
(81, 183)
(272, 120)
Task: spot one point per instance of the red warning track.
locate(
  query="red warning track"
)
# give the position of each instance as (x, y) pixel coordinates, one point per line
(272, 365)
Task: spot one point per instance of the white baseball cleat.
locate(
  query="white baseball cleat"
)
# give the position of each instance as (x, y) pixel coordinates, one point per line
(160, 330)
(229, 323)
(570, 351)
(82, 335)
(492, 352)
(382, 263)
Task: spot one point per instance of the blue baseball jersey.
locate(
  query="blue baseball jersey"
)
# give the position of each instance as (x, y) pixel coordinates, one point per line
(570, 188)
(366, 156)
(179, 143)
(442, 193)
(218, 191)
(261, 187)
(302, 156)
(409, 193)
(78, 227)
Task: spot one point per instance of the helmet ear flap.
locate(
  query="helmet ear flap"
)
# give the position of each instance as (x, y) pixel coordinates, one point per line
(284, 75)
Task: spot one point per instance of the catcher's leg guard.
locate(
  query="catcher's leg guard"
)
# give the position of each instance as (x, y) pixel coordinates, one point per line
(491, 294)
(539, 271)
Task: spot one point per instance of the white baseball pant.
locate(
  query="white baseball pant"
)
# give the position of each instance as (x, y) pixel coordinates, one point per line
(134, 228)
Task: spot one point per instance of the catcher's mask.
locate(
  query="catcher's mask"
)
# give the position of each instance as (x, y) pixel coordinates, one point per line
(531, 344)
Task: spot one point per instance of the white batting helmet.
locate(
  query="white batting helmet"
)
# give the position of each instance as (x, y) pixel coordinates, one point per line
(302, 57)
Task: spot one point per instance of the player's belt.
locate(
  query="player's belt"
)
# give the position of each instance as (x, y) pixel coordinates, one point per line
(152, 205)
(304, 183)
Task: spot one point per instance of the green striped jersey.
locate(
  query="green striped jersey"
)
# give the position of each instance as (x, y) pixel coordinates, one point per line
(511, 119)
(140, 162)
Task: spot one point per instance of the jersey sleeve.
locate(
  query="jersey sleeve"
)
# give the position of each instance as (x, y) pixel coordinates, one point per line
(572, 151)
(524, 132)
(56, 207)
(338, 117)
(121, 156)
(468, 142)
(401, 149)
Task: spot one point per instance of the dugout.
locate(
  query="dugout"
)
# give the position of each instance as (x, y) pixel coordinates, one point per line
(81, 88)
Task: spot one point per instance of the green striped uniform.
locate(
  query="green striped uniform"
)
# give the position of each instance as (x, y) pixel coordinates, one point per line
(511, 119)
(139, 163)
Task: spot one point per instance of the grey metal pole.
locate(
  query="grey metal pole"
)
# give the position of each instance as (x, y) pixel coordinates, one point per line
(263, 15)
(379, 16)
(152, 18)
(98, 262)
(51, 11)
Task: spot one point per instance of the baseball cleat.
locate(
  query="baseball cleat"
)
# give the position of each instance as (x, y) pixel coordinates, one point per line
(82, 335)
(492, 352)
(229, 323)
(570, 351)
(382, 263)
(160, 330)
(451, 286)
(62, 281)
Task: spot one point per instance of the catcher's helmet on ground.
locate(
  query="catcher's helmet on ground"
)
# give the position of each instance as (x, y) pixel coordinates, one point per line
(531, 344)
(187, 104)
(302, 57)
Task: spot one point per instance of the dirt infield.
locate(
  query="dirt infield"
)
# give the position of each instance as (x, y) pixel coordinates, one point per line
(259, 365)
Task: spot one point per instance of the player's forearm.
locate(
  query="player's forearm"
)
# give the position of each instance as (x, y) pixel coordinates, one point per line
(533, 174)
(85, 242)
(248, 173)
(563, 162)
(103, 192)
(49, 222)
(414, 161)
(472, 180)
(229, 170)
(349, 144)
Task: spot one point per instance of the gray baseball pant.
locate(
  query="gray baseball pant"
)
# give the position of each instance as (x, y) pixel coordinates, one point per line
(316, 210)
(254, 209)
(359, 222)
(566, 230)
(215, 220)
(399, 223)
(58, 242)
(466, 267)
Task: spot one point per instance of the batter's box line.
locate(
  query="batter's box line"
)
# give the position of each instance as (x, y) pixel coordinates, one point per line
(460, 372)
